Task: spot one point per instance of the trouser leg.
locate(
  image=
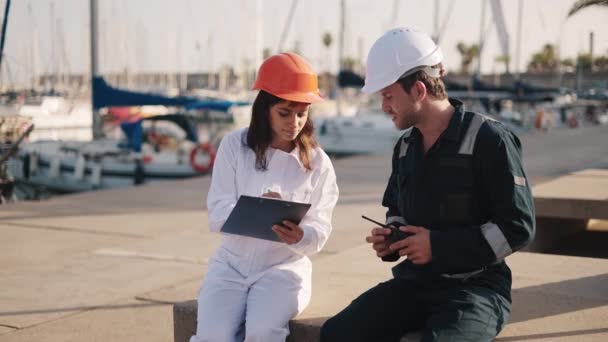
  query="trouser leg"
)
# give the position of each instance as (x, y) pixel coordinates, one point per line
(467, 313)
(383, 313)
(221, 306)
(273, 300)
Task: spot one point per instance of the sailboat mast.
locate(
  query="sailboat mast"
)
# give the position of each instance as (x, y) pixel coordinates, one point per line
(520, 14)
(97, 129)
(436, 22)
(481, 36)
(259, 35)
(4, 22)
(340, 56)
(292, 10)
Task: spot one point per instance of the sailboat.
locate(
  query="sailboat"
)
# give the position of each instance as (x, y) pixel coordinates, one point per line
(358, 131)
(155, 148)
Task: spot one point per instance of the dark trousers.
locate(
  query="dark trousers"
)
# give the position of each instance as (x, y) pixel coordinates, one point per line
(444, 309)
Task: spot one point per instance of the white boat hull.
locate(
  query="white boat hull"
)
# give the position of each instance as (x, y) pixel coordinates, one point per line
(363, 133)
(65, 168)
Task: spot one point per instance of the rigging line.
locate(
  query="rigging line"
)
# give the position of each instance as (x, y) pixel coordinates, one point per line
(446, 19)
(393, 21)
(287, 25)
(541, 17)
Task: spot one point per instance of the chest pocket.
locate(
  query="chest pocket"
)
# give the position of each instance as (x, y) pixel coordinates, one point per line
(457, 195)
(301, 196)
(458, 198)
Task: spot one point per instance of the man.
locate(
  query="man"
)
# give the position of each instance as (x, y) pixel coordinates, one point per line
(457, 190)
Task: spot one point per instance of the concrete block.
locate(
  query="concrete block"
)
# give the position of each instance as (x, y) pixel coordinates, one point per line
(302, 330)
(581, 195)
(184, 320)
(550, 231)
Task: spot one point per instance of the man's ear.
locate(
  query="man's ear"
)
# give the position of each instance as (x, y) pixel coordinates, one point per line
(419, 91)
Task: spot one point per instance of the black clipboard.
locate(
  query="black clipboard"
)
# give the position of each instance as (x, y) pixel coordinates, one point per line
(255, 216)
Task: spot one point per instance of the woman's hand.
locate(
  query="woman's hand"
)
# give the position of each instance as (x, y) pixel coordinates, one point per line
(288, 232)
(272, 194)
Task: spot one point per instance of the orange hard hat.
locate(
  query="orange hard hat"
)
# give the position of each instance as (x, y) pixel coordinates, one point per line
(290, 77)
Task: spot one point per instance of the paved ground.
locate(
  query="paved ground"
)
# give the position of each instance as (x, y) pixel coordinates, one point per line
(105, 266)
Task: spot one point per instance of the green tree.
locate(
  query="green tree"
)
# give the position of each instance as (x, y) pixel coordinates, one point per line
(544, 60)
(584, 61)
(568, 65)
(327, 39)
(601, 63)
(349, 63)
(468, 54)
(504, 60)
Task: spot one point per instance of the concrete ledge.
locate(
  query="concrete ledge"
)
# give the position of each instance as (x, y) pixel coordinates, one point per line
(184, 320)
(565, 205)
(580, 195)
(553, 296)
(551, 231)
(302, 330)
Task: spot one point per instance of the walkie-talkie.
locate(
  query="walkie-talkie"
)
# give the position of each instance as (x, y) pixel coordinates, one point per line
(394, 236)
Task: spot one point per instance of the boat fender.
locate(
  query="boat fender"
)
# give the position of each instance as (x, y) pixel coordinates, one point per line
(96, 174)
(205, 166)
(323, 128)
(25, 165)
(55, 167)
(139, 176)
(34, 157)
(79, 167)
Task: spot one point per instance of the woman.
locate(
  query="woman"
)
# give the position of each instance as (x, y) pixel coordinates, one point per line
(253, 287)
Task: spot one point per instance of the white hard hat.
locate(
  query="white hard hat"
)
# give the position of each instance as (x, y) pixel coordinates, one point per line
(396, 54)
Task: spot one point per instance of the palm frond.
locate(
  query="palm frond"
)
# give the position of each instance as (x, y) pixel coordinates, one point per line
(581, 4)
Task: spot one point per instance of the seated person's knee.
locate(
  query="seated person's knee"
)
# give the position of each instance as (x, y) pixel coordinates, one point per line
(213, 335)
(265, 333)
(331, 330)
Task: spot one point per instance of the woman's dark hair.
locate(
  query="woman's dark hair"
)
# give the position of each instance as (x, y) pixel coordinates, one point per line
(259, 136)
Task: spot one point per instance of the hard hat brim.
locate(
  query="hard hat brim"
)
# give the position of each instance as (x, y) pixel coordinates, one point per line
(369, 89)
(301, 97)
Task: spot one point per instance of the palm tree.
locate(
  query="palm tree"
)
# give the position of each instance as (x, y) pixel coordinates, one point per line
(584, 61)
(545, 60)
(580, 4)
(504, 60)
(468, 53)
(327, 40)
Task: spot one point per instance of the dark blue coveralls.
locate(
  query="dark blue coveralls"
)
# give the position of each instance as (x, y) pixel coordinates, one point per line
(471, 192)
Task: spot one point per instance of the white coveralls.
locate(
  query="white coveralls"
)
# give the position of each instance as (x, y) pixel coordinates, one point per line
(253, 287)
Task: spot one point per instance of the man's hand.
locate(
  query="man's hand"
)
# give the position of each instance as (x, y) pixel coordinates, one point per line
(378, 241)
(417, 247)
(288, 232)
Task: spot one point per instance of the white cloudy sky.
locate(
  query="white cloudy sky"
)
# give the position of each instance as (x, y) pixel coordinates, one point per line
(196, 35)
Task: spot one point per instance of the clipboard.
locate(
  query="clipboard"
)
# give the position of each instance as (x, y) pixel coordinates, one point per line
(255, 216)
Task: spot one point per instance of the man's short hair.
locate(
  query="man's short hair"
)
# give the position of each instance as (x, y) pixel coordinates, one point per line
(434, 85)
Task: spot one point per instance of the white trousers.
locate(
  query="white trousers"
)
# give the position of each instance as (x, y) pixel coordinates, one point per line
(258, 308)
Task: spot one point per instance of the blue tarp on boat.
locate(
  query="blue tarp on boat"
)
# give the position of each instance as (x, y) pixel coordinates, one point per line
(105, 95)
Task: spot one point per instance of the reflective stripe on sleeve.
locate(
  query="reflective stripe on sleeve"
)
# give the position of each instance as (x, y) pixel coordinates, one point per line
(403, 148)
(392, 219)
(497, 240)
(468, 142)
(404, 143)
